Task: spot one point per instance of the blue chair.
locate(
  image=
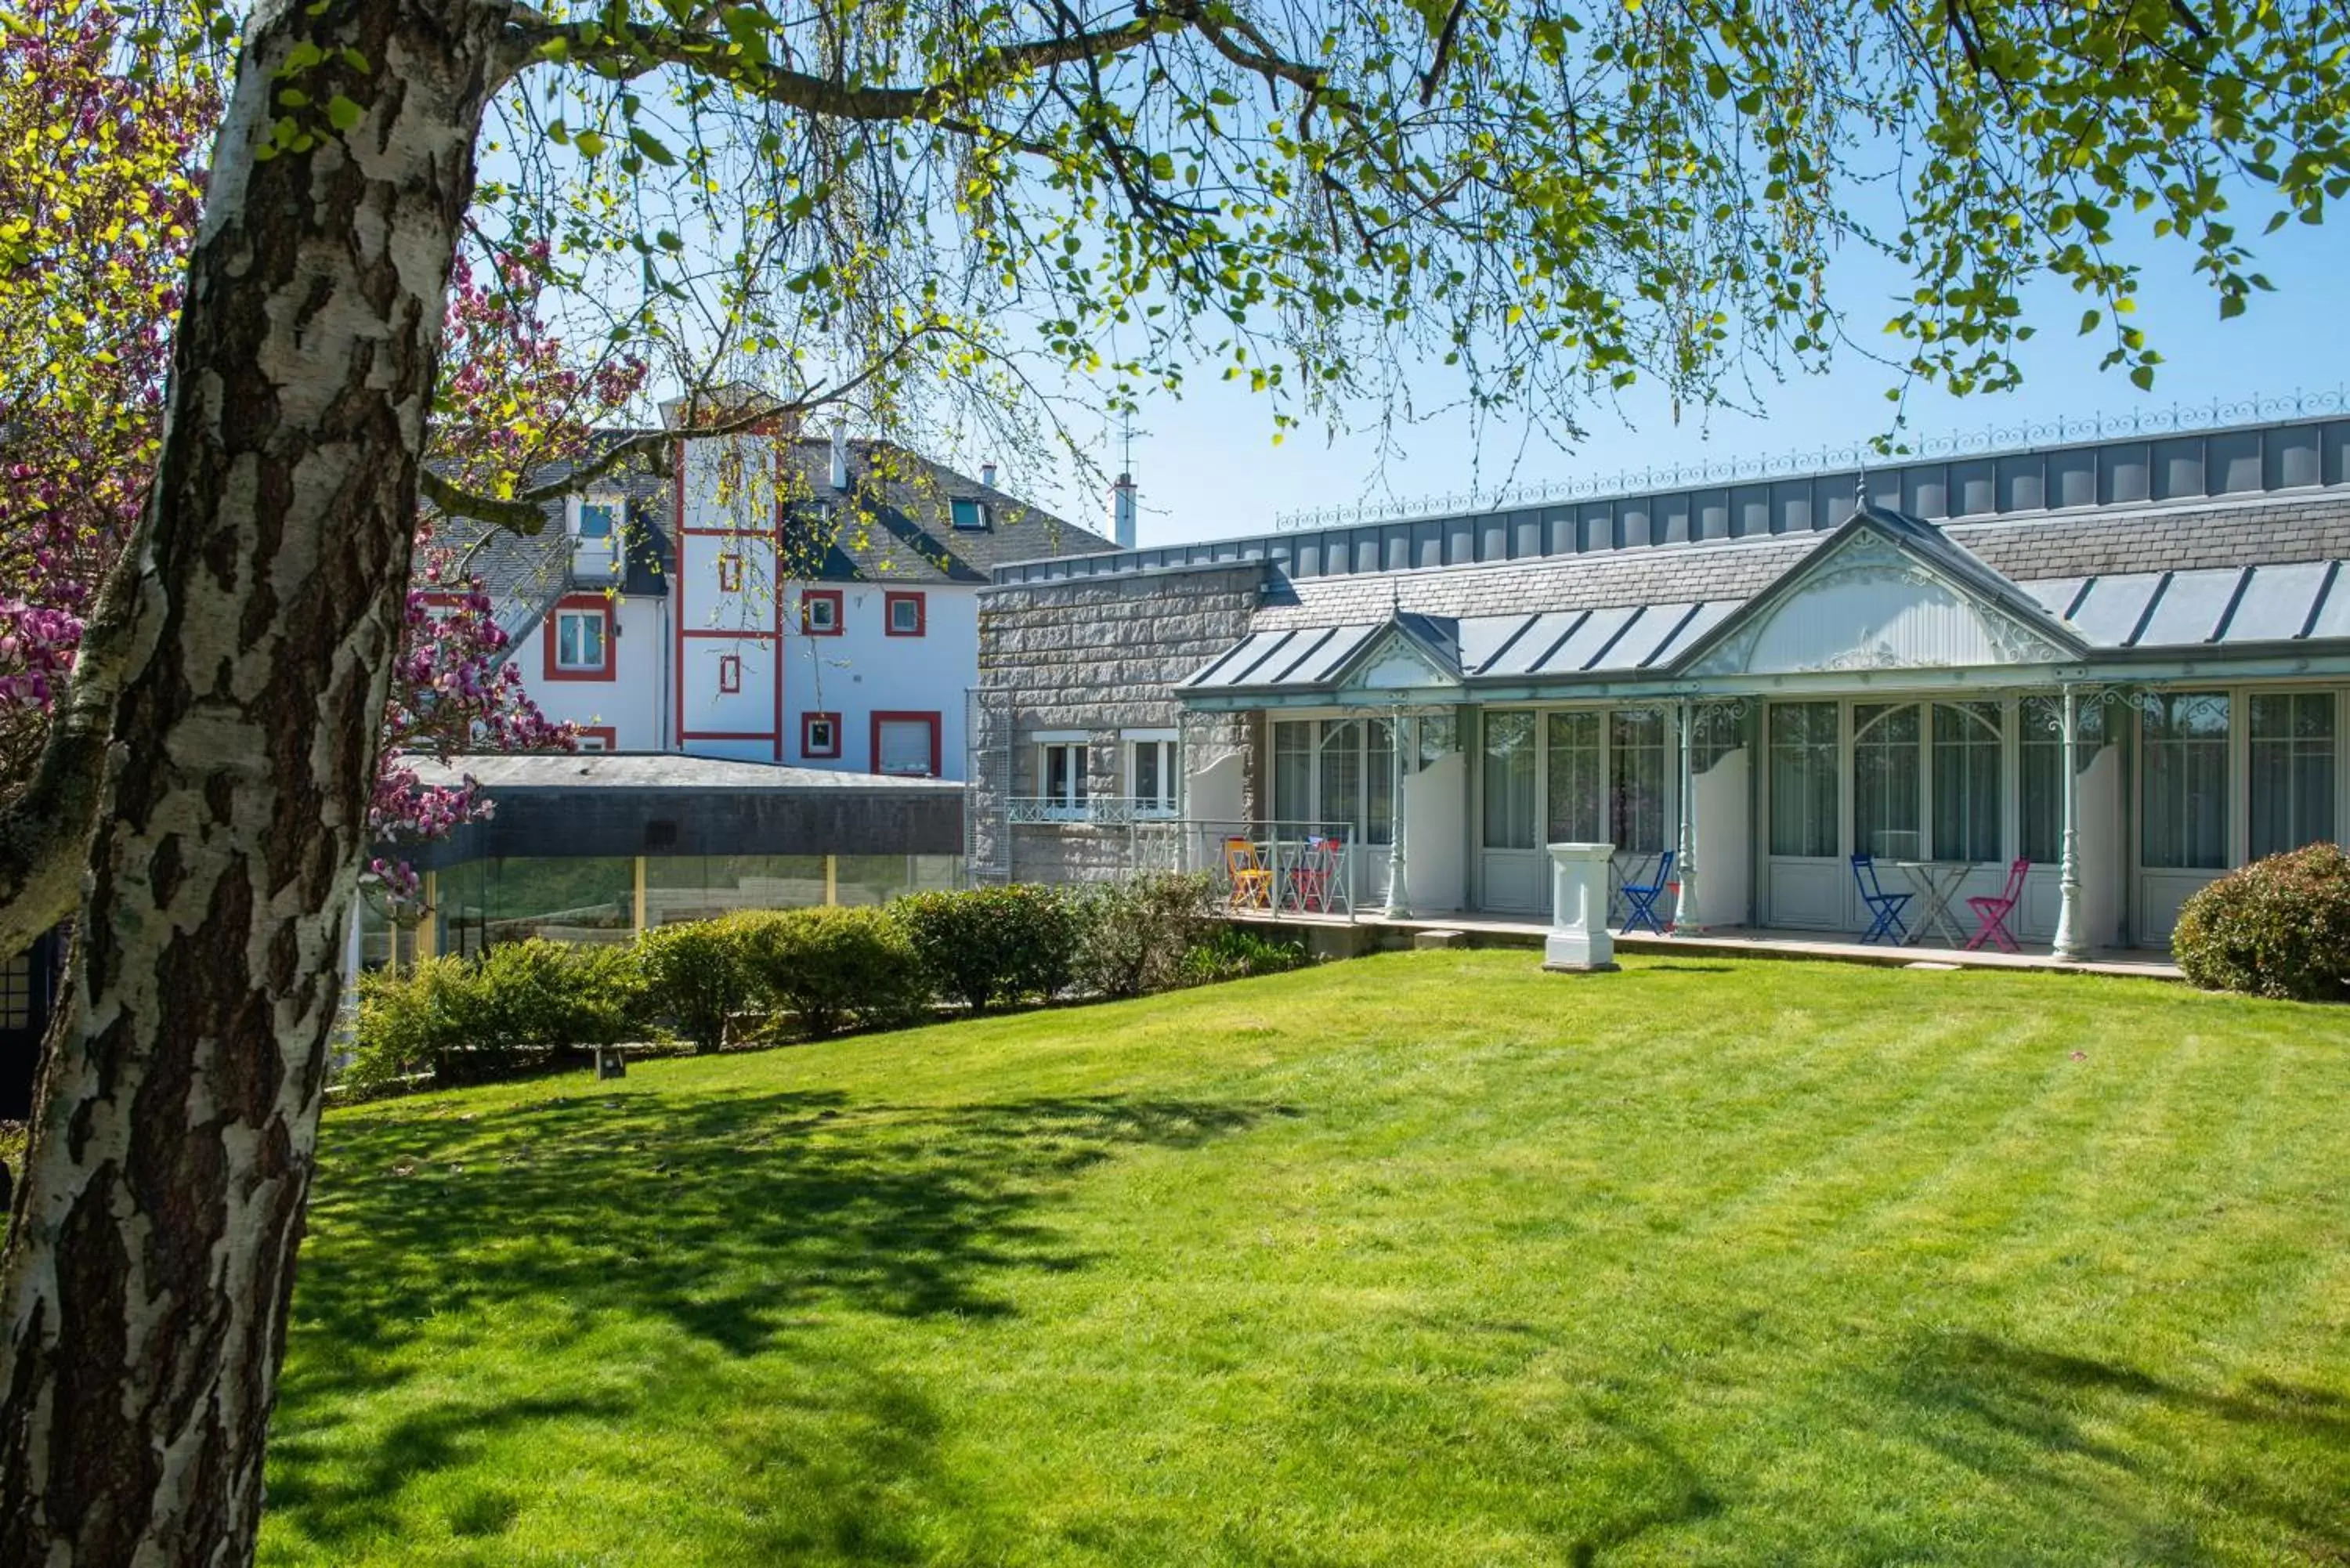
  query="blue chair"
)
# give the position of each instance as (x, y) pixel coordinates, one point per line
(1885, 907)
(1642, 897)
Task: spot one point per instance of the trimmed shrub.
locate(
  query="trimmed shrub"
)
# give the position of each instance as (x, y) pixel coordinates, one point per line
(988, 945)
(697, 975)
(1133, 935)
(1233, 953)
(408, 1022)
(461, 1019)
(832, 965)
(2278, 927)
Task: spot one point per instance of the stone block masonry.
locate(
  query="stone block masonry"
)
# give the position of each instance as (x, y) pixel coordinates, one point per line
(1099, 657)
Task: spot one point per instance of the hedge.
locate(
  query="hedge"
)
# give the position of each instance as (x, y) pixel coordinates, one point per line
(827, 968)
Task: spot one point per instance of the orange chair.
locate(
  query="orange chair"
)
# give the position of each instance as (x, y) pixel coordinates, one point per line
(1251, 882)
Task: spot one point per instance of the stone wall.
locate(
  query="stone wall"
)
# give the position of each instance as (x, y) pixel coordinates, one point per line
(1098, 657)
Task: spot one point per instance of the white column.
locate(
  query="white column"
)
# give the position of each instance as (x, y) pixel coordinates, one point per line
(1579, 938)
(1399, 898)
(2069, 945)
(1687, 921)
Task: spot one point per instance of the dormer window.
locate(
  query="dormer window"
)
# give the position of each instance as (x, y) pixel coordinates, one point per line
(970, 513)
(598, 518)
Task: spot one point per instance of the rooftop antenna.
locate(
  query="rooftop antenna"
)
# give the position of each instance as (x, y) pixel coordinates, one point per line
(1122, 507)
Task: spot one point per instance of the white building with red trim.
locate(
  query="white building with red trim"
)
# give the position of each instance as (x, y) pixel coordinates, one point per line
(771, 598)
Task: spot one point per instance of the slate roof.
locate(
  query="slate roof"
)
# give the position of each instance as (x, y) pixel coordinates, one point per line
(900, 529)
(2312, 528)
(1626, 612)
(535, 570)
(895, 522)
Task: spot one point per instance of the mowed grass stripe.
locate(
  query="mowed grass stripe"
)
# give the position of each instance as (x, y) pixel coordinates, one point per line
(1422, 1260)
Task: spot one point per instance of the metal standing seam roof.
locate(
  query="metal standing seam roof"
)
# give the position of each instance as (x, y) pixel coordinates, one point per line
(2222, 605)
(1554, 643)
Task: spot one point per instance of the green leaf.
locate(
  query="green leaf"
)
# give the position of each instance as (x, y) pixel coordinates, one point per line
(342, 113)
(652, 146)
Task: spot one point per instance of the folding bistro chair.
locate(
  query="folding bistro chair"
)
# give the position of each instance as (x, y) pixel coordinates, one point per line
(1641, 897)
(1314, 879)
(1992, 910)
(1252, 883)
(1883, 906)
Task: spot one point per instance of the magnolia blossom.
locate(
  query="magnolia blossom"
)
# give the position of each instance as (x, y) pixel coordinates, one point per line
(94, 233)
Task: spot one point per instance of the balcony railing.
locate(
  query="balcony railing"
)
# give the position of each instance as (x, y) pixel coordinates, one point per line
(1101, 810)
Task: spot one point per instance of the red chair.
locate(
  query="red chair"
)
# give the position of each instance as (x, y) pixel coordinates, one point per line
(1313, 881)
(1992, 910)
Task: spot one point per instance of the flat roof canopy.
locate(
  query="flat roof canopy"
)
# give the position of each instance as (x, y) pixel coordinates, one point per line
(562, 805)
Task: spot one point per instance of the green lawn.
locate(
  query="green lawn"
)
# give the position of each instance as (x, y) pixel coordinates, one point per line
(1426, 1259)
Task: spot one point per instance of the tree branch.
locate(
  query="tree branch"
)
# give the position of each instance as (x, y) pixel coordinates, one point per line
(639, 49)
(524, 512)
(45, 830)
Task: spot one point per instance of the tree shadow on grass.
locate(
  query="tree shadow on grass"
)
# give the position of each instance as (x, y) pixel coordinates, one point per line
(732, 1218)
(2036, 1420)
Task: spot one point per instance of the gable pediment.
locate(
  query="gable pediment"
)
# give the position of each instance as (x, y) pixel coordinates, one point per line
(1396, 662)
(1864, 602)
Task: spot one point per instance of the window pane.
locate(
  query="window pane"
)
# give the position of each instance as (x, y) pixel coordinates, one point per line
(595, 520)
(2291, 771)
(579, 640)
(905, 746)
(1509, 780)
(2184, 796)
(1146, 772)
(1577, 789)
(1339, 803)
(2040, 754)
(1804, 772)
(1379, 781)
(1636, 795)
(1885, 780)
(1966, 781)
(1720, 731)
(1293, 770)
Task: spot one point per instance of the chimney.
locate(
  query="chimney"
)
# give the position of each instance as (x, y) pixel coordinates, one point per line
(1122, 511)
(987, 474)
(840, 454)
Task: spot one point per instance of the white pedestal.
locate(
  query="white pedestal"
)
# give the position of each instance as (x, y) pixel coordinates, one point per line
(1579, 938)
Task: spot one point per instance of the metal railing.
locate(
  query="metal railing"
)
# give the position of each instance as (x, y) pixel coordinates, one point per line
(1891, 451)
(1288, 869)
(1102, 810)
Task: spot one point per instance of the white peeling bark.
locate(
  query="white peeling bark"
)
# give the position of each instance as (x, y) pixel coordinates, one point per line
(145, 1288)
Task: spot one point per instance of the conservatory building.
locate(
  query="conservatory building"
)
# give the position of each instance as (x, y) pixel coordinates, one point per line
(2093, 677)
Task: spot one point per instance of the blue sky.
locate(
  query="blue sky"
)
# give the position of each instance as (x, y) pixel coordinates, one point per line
(1207, 468)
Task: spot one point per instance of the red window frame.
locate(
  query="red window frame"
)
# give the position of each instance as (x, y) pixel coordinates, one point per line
(729, 673)
(911, 717)
(840, 612)
(603, 732)
(730, 572)
(890, 603)
(553, 643)
(808, 748)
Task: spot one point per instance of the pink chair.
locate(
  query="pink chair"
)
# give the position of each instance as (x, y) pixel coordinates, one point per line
(1992, 910)
(1312, 881)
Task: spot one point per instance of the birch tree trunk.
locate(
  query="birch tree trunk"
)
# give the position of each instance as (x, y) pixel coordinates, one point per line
(149, 1266)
